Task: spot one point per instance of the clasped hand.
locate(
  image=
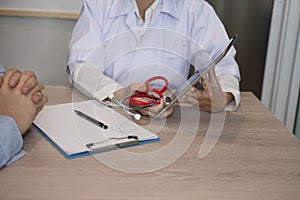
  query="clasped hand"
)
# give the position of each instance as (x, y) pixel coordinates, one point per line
(21, 97)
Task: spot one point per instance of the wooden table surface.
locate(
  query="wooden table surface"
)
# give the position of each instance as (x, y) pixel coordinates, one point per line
(256, 157)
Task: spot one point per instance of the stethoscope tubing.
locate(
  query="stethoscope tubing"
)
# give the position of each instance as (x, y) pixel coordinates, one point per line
(120, 103)
(153, 99)
(140, 104)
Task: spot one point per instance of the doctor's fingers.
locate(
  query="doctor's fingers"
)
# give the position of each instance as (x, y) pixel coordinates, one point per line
(205, 84)
(156, 109)
(187, 101)
(200, 95)
(152, 111)
(144, 88)
(135, 86)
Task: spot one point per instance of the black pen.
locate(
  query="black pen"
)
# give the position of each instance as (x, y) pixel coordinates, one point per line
(90, 119)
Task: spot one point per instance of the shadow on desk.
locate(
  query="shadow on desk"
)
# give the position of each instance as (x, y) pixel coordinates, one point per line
(232, 127)
(227, 129)
(30, 140)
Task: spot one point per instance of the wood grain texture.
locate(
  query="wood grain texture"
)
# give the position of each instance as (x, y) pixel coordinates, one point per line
(39, 14)
(256, 157)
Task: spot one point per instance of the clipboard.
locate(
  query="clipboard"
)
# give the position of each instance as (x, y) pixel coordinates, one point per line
(73, 136)
(195, 78)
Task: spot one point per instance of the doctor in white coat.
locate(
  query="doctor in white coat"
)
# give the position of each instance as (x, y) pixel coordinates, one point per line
(116, 43)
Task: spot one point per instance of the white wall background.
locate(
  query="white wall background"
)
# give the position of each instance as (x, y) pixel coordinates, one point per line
(48, 5)
(37, 44)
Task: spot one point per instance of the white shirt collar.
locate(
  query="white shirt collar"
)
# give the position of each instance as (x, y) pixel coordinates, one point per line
(124, 7)
(148, 15)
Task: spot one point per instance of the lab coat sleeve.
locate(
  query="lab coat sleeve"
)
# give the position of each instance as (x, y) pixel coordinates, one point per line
(87, 74)
(11, 141)
(230, 84)
(89, 80)
(86, 34)
(211, 34)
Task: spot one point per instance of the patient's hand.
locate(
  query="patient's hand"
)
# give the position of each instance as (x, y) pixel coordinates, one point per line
(29, 82)
(14, 103)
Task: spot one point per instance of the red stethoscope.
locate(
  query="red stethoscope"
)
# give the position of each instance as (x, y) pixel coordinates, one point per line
(142, 100)
(147, 99)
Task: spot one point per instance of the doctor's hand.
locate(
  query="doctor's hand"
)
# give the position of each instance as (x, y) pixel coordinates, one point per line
(30, 81)
(211, 98)
(133, 87)
(142, 87)
(154, 110)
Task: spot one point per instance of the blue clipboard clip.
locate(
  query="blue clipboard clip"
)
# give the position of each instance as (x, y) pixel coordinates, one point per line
(94, 147)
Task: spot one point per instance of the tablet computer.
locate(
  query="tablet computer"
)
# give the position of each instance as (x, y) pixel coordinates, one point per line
(195, 78)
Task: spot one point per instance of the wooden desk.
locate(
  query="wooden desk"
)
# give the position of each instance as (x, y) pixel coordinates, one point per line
(256, 157)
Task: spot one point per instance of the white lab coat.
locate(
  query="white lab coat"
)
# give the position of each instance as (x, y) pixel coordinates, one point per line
(107, 50)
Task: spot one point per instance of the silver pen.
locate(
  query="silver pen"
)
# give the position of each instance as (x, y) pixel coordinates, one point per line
(90, 119)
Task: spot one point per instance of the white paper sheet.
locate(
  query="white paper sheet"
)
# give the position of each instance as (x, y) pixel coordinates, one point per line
(71, 132)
